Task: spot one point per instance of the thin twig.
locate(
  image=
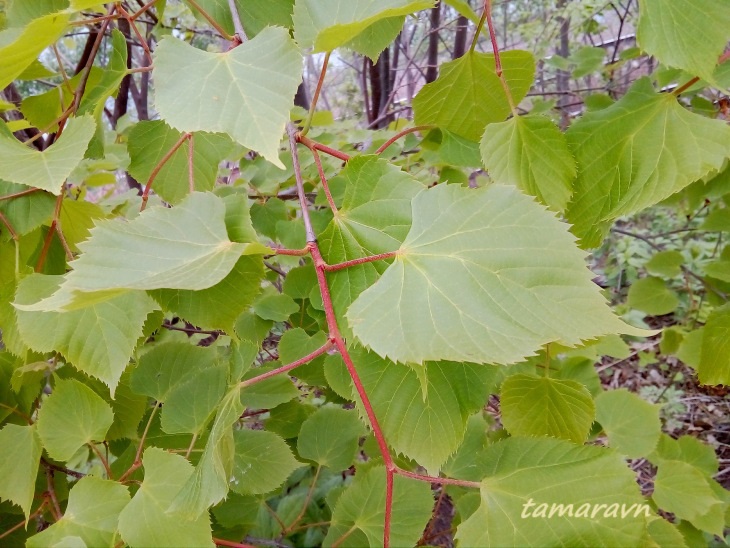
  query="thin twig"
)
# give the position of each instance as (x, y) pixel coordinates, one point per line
(292, 132)
(237, 24)
(355, 262)
(400, 134)
(315, 97)
(159, 166)
(301, 361)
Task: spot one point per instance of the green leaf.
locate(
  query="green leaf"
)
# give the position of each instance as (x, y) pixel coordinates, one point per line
(541, 406)
(651, 295)
(714, 366)
(665, 263)
(186, 379)
(209, 484)
(262, 463)
(687, 34)
(717, 221)
(378, 36)
(146, 521)
(19, 47)
(418, 404)
(295, 344)
(219, 306)
(95, 98)
(627, 157)
(331, 437)
(99, 348)
(164, 366)
(463, 7)
(46, 169)
(485, 276)
(686, 449)
(528, 477)
(275, 306)
(632, 424)
(19, 465)
(681, 488)
(250, 89)
(374, 218)
(468, 94)
(191, 401)
(531, 153)
(270, 392)
(21, 13)
(72, 416)
(360, 511)
(92, 514)
(457, 151)
(25, 213)
(329, 24)
(150, 141)
(185, 247)
(128, 408)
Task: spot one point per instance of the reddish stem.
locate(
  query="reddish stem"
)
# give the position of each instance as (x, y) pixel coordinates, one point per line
(159, 166)
(323, 179)
(143, 9)
(317, 91)
(191, 172)
(49, 237)
(400, 134)
(142, 40)
(19, 194)
(292, 252)
(684, 87)
(222, 542)
(497, 59)
(284, 368)
(10, 228)
(354, 262)
(314, 145)
(438, 480)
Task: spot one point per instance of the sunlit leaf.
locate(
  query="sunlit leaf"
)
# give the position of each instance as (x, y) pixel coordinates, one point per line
(46, 169)
(535, 493)
(249, 89)
(543, 406)
(329, 24)
(531, 153)
(19, 47)
(468, 94)
(100, 348)
(687, 34)
(485, 276)
(374, 218)
(636, 153)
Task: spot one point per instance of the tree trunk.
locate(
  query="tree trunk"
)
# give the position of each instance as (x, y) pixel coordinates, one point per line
(121, 103)
(432, 69)
(563, 77)
(462, 25)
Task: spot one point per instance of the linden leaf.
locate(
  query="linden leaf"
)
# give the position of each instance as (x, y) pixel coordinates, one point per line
(249, 89)
(484, 276)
